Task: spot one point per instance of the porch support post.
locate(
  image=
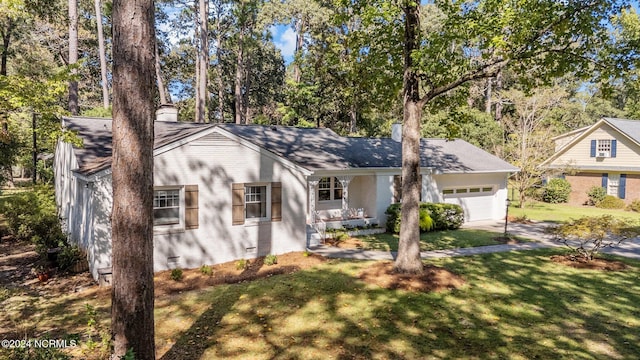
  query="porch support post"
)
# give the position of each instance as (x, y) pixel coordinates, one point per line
(313, 183)
(344, 181)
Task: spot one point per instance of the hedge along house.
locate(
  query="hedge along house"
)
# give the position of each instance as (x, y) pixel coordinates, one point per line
(224, 192)
(605, 154)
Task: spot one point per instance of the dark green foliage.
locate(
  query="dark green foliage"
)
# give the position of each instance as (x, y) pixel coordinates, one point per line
(68, 256)
(556, 191)
(433, 216)
(611, 202)
(176, 274)
(31, 215)
(393, 218)
(445, 216)
(596, 195)
(634, 206)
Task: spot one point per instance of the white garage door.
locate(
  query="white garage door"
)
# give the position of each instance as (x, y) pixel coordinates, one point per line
(476, 201)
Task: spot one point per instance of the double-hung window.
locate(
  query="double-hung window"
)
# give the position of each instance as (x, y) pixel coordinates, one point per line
(255, 202)
(166, 207)
(175, 208)
(329, 188)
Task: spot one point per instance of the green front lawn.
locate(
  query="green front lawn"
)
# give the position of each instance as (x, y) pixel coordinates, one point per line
(517, 305)
(563, 212)
(513, 306)
(436, 240)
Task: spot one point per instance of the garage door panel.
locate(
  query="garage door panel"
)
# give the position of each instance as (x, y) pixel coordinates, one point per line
(476, 207)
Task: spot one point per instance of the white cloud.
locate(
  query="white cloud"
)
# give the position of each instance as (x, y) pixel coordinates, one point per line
(285, 41)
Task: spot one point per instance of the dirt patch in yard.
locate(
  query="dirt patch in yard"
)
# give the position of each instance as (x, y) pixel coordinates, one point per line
(433, 278)
(18, 260)
(227, 273)
(595, 264)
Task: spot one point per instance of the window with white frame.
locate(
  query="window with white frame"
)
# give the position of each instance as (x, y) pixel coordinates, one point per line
(255, 197)
(166, 206)
(613, 184)
(603, 147)
(329, 188)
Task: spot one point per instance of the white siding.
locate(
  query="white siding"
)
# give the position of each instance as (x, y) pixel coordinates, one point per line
(64, 181)
(579, 155)
(214, 163)
(383, 195)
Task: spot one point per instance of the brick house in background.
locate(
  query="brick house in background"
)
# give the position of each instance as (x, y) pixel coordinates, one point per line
(605, 154)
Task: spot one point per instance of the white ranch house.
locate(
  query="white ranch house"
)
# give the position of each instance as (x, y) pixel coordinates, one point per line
(224, 192)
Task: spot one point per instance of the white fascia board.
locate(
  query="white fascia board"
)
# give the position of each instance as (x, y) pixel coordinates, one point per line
(93, 177)
(478, 172)
(368, 171)
(283, 161)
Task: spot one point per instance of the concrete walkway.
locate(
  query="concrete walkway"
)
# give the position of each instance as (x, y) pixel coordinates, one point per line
(630, 248)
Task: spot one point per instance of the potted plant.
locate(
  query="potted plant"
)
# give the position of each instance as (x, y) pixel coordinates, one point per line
(42, 272)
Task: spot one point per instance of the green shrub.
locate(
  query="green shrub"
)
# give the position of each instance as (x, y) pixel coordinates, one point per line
(596, 194)
(634, 206)
(393, 219)
(68, 256)
(433, 216)
(270, 260)
(176, 274)
(444, 216)
(206, 270)
(32, 216)
(556, 191)
(611, 202)
(242, 264)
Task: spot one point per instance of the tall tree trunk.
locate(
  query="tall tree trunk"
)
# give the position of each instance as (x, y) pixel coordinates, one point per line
(239, 110)
(165, 97)
(246, 92)
(103, 56)
(6, 40)
(73, 56)
(219, 80)
(132, 324)
(408, 260)
(499, 104)
(353, 118)
(202, 61)
(487, 96)
(297, 74)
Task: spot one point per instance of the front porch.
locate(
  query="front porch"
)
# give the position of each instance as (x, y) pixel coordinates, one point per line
(340, 202)
(349, 200)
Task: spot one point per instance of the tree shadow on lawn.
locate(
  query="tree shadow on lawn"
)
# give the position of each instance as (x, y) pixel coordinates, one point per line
(515, 303)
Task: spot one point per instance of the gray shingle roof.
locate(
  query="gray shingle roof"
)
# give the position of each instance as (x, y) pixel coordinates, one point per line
(631, 128)
(313, 149)
(323, 149)
(95, 154)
